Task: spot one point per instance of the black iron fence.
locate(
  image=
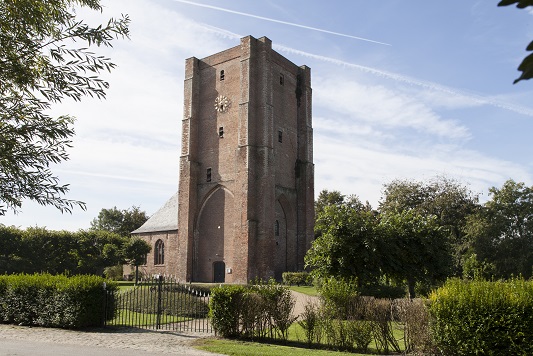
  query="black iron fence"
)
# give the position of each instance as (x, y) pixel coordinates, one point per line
(160, 303)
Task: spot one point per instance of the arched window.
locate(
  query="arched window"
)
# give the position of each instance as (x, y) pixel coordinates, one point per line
(159, 252)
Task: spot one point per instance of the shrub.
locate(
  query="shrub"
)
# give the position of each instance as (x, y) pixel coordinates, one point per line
(338, 296)
(380, 314)
(362, 334)
(225, 309)
(142, 300)
(297, 278)
(53, 301)
(114, 273)
(279, 303)
(414, 315)
(382, 291)
(263, 310)
(311, 322)
(480, 317)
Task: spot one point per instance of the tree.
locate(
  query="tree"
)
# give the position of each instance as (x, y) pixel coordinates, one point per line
(414, 248)
(134, 252)
(346, 247)
(10, 242)
(40, 250)
(526, 67)
(326, 198)
(121, 222)
(97, 249)
(502, 231)
(40, 66)
(448, 201)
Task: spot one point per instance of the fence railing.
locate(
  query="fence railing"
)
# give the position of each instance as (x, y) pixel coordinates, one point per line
(160, 303)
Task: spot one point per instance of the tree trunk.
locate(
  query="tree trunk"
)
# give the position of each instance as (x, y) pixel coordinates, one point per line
(411, 288)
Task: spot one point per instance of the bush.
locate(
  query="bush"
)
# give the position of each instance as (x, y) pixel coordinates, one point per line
(297, 278)
(225, 309)
(382, 291)
(338, 296)
(114, 273)
(263, 310)
(53, 301)
(414, 315)
(141, 300)
(480, 317)
(311, 322)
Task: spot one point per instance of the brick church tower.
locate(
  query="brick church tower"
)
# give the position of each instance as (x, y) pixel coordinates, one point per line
(245, 202)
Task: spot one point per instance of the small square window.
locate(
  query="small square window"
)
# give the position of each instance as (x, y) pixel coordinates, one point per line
(208, 175)
(280, 136)
(222, 75)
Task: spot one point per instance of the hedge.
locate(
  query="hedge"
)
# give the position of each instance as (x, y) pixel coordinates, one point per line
(483, 318)
(258, 311)
(297, 278)
(55, 300)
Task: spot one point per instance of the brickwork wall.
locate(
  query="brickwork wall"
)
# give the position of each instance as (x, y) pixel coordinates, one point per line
(235, 185)
(169, 239)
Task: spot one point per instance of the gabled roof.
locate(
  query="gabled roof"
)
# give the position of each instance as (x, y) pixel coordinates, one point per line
(165, 219)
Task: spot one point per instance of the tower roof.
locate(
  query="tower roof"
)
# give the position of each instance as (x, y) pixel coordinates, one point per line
(165, 219)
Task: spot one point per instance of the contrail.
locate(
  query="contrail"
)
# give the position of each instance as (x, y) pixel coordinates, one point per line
(279, 21)
(480, 99)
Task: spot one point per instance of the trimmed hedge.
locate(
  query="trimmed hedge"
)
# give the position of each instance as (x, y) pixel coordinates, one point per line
(297, 278)
(483, 318)
(257, 311)
(55, 301)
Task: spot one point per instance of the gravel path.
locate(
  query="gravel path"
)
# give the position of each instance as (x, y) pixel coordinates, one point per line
(301, 301)
(113, 341)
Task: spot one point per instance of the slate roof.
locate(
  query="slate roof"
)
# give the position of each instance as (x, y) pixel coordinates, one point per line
(165, 219)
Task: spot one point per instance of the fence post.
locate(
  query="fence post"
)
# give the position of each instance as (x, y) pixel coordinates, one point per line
(159, 297)
(105, 305)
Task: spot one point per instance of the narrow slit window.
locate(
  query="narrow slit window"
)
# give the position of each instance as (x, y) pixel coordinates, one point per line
(280, 136)
(222, 75)
(208, 175)
(276, 228)
(221, 131)
(281, 79)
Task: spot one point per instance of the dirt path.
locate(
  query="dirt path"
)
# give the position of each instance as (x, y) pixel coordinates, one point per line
(301, 301)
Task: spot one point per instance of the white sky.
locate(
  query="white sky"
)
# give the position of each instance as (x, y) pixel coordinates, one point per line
(401, 89)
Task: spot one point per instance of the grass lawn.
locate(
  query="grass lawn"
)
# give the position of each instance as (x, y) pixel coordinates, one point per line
(296, 340)
(235, 347)
(128, 318)
(309, 290)
(125, 285)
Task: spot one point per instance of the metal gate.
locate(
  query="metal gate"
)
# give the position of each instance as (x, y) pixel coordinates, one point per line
(160, 303)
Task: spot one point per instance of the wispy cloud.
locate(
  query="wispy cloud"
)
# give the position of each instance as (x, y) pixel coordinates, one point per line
(477, 98)
(462, 96)
(383, 108)
(279, 21)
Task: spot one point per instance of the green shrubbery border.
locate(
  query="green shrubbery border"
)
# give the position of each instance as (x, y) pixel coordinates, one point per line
(55, 300)
(254, 311)
(297, 278)
(483, 318)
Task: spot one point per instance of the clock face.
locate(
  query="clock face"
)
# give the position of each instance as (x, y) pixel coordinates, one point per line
(222, 104)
